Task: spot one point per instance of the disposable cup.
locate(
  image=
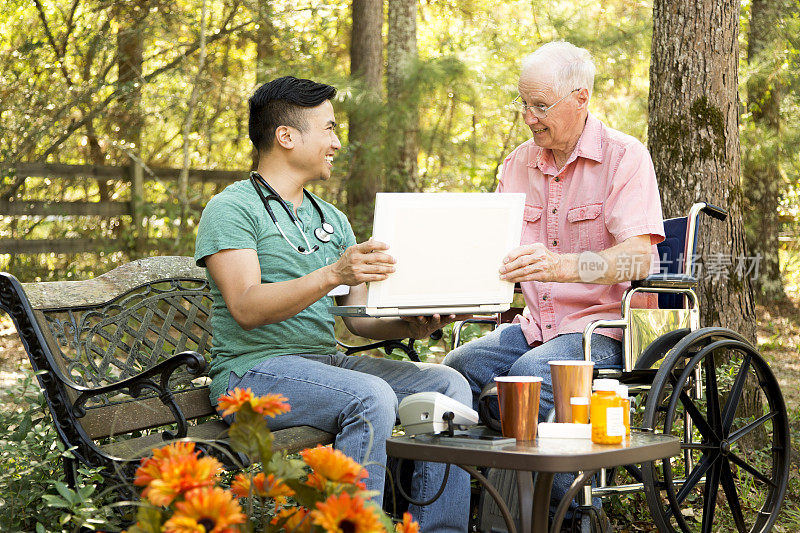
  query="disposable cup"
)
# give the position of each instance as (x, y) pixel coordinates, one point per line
(570, 379)
(519, 405)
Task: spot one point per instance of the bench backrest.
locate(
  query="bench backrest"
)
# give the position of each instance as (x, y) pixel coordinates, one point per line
(117, 325)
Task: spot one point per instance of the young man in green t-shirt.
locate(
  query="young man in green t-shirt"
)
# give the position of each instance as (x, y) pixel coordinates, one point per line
(274, 253)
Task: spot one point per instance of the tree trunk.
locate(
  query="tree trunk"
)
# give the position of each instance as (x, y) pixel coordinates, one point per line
(265, 54)
(694, 142)
(191, 108)
(265, 45)
(762, 176)
(130, 50)
(365, 67)
(403, 133)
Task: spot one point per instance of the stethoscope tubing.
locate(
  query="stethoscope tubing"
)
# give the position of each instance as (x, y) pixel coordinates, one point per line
(323, 233)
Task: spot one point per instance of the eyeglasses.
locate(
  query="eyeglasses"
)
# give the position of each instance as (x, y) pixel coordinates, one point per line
(539, 111)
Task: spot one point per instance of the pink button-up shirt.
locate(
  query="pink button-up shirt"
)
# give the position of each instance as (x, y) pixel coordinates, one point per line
(605, 194)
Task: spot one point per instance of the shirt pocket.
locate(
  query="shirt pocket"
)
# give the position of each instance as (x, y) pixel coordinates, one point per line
(585, 227)
(532, 229)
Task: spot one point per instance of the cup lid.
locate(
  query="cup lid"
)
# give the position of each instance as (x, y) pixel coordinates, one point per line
(622, 391)
(605, 385)
(579, 400)
(575, 362)
(518, 379)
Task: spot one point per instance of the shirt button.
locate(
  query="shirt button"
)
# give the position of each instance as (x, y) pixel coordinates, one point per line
(555, 243)
(548, 326)
(544, 297)
(554, 210)
(558, 178)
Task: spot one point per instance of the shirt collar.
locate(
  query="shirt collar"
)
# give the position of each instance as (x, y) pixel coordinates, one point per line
(589, 146)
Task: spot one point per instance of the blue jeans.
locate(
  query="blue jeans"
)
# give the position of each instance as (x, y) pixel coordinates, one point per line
(346, 395)
(505, 352)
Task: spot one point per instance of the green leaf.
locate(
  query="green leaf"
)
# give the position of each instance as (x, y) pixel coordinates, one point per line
(149, 519)
(385, 520)
(285, 468)
(67, 493)
(85, 492)
(305, 495)
(54, 501)
(250, 435)
(24, 428)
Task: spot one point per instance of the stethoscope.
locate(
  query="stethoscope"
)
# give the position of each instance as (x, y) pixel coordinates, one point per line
(322, 233)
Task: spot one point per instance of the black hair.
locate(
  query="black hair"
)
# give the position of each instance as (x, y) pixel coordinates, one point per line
(279, 103)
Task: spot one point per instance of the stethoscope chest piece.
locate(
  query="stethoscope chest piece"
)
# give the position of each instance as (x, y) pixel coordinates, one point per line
(323, 233)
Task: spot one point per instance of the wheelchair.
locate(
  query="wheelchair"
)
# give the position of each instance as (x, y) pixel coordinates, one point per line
(710, 387)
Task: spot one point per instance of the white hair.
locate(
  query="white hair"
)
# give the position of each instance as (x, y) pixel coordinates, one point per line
(571, 67)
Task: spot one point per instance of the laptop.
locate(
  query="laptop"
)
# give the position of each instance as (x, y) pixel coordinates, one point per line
(449, 248)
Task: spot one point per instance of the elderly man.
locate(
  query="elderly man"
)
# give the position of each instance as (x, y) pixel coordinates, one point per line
(592, 220)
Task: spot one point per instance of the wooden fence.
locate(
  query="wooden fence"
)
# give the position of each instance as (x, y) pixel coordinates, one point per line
(134, 174)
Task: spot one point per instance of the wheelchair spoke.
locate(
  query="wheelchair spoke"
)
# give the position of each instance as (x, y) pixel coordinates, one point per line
(729, 410)
(712, 393)
(752, 471)
(751, 426)
(710, 497)
(697, 417)
(697, 474)
(729, 486)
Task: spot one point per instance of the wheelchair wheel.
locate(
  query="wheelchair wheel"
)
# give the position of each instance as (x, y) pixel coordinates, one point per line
(734, 466)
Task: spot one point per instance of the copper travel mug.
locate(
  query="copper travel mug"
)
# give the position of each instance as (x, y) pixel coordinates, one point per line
(519, 405)
(570, 379)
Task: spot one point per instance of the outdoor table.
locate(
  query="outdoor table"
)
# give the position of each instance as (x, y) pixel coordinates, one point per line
(544, 456)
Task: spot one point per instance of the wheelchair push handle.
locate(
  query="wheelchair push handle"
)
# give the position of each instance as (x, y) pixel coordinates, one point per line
(715, 212)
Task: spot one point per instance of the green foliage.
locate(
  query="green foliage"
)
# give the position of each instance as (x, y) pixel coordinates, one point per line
(63, 103)
(33, 492)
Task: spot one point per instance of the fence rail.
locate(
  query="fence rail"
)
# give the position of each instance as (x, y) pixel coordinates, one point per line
(110, 209)
(120, 173)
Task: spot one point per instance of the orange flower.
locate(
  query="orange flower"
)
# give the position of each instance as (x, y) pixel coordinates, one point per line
(333, 465)
(150, 468)
(407, 526)
(344, 513)
(206, 510)
(173, 470)
(297, 520)
(265, 486)
(315, 481)
(269, 405)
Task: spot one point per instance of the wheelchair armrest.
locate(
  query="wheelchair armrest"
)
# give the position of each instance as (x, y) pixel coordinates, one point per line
(665, 281)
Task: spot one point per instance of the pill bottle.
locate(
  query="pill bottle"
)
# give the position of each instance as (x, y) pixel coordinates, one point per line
(580, 409)
(605, 413)
(622, 392)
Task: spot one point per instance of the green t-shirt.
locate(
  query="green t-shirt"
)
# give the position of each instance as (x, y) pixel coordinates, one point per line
(236, 219)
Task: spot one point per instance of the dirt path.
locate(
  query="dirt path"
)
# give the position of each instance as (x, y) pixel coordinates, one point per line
(779, 343)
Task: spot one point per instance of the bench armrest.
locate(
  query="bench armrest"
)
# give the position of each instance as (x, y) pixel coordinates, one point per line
(155, 379)
(388, 347)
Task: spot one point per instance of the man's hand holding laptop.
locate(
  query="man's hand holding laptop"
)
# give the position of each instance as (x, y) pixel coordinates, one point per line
(367, 262)
(363, 262)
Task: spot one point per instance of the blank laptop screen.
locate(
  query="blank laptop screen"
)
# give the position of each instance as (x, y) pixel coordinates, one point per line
(449, 247)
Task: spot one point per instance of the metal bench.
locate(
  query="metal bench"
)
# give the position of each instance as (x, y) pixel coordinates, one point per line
(122, 361)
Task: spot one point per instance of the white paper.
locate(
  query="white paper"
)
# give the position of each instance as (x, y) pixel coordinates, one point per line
(340, 290)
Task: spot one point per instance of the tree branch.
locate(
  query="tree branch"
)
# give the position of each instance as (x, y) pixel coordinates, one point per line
(89, 115)
(51, 39)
